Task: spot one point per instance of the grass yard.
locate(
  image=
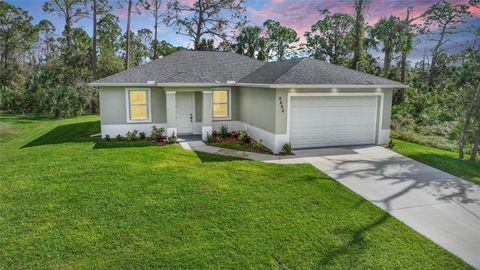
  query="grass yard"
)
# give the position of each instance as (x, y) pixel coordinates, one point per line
(67, 201)
(232, 145)
(444, 160)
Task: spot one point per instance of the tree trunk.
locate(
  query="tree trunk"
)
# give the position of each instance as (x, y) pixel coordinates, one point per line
(155, 41)
(358, 43)
(68, 28)
(196, 40)
(433, 65)
(403, 67)
(93, 106)
(94, 40)
(5, 60)
(466, 125)
(386, 62)
(403, 62)
(476, 144)
(58, 114)
(127, 49)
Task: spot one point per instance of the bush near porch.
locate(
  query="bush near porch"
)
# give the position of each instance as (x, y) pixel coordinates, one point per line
(236, 140)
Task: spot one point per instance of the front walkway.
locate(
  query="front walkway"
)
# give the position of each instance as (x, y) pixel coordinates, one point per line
(200, 146)
(440, 206)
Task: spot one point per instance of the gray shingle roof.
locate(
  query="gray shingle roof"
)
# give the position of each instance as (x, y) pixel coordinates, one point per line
(311, 71)
(213, 67)
(189, 67)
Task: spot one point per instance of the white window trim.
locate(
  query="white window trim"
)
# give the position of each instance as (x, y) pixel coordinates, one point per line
(149, 105)
(229, 90)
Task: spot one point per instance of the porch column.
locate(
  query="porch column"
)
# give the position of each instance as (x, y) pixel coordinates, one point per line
(206, 114)
(171, 113)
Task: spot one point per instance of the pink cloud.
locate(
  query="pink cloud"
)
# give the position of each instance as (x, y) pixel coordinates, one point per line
(301, 14)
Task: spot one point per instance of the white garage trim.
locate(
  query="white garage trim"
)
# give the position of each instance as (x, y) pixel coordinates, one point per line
(379, 136)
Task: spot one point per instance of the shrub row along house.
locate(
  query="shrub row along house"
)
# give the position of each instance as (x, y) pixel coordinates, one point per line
(306, 102)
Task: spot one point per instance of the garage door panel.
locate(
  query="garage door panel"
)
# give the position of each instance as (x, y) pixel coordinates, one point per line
(330, 121)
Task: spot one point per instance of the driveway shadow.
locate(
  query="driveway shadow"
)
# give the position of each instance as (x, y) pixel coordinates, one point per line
(410, 175)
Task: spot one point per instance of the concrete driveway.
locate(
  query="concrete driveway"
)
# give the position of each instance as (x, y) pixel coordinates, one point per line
(440, 206)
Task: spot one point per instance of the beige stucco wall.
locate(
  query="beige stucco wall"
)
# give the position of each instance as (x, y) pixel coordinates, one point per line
(113, 105)
(256, 107)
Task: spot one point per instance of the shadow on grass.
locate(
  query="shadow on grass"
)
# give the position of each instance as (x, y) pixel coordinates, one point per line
(357, 243)
(79, 132)
(206, 157)
(102, 144)
(466, 169)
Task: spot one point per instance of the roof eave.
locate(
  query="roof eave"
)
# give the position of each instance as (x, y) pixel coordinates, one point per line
(319, 86)
(323, 86)
(119, 84)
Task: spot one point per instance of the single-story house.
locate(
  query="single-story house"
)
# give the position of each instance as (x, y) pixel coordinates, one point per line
(306, 102)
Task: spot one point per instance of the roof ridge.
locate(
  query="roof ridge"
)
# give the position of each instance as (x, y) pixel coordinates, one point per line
(350, 69)
(139, 66)
(290, 69)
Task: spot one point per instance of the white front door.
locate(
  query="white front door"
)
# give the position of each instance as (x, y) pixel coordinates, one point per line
(318, 121)
(185, 102)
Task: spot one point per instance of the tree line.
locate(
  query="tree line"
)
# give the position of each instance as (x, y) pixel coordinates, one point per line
(43, 72)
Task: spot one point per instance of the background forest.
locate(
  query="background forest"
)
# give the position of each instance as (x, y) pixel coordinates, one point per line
(43, 72)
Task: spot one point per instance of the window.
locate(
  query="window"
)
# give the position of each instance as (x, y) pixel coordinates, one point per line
(221, 103)
(138, 105)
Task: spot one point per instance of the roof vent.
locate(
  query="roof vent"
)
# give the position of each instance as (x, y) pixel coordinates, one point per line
(150, 82)
(230, 82)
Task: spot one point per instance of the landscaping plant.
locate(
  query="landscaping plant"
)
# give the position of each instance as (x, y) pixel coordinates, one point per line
(172, 138)
(157, 134)
(132, 135)
(224, 131)
(142, 135)
(287, 149)
(210, 138)
(259, 145)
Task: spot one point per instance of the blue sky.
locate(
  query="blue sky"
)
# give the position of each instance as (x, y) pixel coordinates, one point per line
(297, 14)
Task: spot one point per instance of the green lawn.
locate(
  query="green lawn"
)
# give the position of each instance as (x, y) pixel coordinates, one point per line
(67, 201)
(441, 159)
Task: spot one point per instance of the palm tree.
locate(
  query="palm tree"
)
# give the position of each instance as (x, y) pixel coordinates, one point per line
(387, 31)
(251, 43)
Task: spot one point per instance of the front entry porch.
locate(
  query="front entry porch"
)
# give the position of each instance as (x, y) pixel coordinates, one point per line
(189, 113)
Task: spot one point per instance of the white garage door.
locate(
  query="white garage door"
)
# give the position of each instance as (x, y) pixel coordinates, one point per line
(318, 121)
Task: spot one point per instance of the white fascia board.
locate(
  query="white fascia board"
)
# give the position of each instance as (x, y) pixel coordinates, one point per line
(326, 86)
(191, 84)
(320, 86)
(120, 84)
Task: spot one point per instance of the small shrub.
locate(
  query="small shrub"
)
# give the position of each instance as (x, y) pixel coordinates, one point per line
(287, 149)
(391, 144)
(259, 145)
(119, 138)
(234, 134)
(224, 131)
(172, 138)
(210, 138)
(215, 133)
(132, 135)
(243, 136)
(157, 134)
(107, 138)
(142, 135)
